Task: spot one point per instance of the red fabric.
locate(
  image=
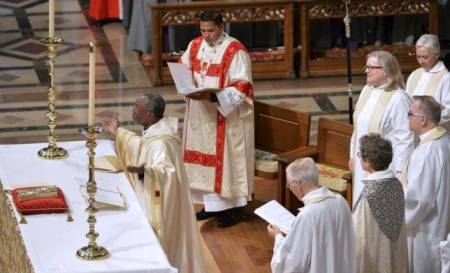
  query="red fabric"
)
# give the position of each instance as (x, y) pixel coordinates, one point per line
(221, 71)
(40, 205)
(104, 9)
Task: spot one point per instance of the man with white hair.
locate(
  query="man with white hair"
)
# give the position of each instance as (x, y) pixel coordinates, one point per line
(432, 78)
(321, 238)
(427, 198)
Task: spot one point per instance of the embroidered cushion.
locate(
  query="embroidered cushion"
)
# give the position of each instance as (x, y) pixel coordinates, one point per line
(331, 178)
(37, 200)
(265, 165)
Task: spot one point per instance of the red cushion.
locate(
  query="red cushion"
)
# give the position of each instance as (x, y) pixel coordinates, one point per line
(40, 205)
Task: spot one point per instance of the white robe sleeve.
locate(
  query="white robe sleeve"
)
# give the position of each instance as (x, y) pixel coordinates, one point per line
(401, 137)
(240, 70)
(293, 252)
(185, 57)
(445, 254)
(423, 185)
(444, 98)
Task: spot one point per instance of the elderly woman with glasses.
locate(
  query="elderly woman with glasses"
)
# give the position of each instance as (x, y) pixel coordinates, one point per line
(382, 108)
(432, 78)
(379, 215)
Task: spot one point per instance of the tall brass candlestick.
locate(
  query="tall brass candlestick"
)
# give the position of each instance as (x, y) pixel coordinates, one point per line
(52, 151)
(92, 251)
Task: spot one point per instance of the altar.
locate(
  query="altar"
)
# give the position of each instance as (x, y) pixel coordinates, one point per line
(48, 242)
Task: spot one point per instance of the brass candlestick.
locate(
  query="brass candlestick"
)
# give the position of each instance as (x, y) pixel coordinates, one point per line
(52, 151)
(92, 251)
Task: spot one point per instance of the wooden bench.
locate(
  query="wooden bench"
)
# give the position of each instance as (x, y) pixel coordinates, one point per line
(277, 64)
(278, 130)
(332, 149)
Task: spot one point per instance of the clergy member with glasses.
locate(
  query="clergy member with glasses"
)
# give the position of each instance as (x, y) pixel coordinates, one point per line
(382, 108)
(427, 193)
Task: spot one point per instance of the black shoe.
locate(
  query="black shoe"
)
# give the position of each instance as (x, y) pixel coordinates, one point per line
(203, 215)
(229, 218)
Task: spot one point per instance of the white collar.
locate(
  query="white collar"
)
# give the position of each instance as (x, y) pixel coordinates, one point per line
(437, 67)
(380, 175)
(319, 194)
(165, 126)
(219, 41)
(381, 87)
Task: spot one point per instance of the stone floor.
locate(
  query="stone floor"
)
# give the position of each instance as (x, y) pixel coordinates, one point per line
(119, 74)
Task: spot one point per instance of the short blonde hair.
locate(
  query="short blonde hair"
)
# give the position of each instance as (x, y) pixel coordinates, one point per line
(303, 170)
(391, 68)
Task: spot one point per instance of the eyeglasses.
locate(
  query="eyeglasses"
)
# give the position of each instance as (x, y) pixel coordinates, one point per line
(370, 67)
(411, 114)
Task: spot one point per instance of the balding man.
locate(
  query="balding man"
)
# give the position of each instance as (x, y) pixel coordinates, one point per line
(321, 238)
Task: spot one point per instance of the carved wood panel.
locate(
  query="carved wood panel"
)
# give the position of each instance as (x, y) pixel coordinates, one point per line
(368, 8)
(244, 14)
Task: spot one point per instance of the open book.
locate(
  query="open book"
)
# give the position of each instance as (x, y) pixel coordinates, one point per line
(108, 163)
(107, 197)
(184, 82)
(274, 213)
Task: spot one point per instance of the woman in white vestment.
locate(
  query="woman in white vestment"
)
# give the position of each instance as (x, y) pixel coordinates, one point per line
(382, 108)
(379, 215)
(432, 78)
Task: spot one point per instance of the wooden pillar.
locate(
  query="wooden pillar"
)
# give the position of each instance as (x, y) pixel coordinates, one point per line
(156, 47)
(304, 40)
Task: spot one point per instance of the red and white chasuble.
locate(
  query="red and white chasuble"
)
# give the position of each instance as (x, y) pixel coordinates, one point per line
(219, 137)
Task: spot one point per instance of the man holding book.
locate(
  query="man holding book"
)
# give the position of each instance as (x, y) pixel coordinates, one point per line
(321, 238)
(219, 126)
(156, 172)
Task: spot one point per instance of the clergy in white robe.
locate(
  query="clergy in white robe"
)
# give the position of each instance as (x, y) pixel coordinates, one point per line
(219, 127)
(321, 238)
(432, 78)
(382, 108)
(379, 216)
(428, 187)
(444, 247)
(153, 164)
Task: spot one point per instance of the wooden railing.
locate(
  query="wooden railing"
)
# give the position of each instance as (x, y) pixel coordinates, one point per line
(305, 11)
(164, 15)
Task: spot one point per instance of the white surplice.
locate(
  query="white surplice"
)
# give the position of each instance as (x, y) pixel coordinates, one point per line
(428, 201)
(434, 82)
(164, 192)
(321, 238)
(445, 255)
(393, 126)
(220, 179)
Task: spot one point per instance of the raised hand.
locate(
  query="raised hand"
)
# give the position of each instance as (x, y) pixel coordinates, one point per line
(111, 124)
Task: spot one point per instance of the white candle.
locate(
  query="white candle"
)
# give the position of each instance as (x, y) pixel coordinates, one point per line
(91, 113)
(51, 18)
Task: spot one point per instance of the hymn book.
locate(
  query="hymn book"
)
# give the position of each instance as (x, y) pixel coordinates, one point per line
(184, 81)
(274, 213)
(107, 197)
(108, 163)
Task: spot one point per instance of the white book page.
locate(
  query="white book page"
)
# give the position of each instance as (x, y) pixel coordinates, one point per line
(108, 194)
(182, 77)
(275, 214)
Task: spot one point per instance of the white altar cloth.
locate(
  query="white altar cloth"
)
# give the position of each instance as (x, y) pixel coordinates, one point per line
(51, 242)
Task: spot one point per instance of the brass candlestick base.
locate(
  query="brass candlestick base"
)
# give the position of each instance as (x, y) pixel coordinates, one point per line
(52, 151)
(92, 251)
